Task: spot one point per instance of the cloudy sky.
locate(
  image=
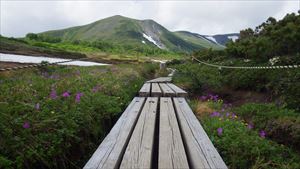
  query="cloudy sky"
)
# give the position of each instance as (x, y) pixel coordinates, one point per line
(204, 17)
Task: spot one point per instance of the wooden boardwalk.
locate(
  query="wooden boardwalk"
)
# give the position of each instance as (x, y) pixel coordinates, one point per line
(157, 130)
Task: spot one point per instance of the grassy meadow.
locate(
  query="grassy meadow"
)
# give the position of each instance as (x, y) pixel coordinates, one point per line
(56, 116)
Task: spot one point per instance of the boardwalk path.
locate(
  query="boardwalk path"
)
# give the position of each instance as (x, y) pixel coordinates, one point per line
(157, 130)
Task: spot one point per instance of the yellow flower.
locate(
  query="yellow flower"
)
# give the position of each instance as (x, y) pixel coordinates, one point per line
(52, 112)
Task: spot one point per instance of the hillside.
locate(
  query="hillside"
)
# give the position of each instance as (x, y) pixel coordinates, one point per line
(122, 30)
(199, 40)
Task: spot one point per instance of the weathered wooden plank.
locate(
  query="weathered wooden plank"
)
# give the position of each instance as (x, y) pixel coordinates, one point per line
(160, 79)
(166, 90)
(200, 150)
(139, 151)
(155, 91)
(145, 90)
(111, 150)
(178, 91)
(171, 149)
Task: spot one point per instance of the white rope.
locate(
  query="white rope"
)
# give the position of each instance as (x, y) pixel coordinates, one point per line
(247, 67)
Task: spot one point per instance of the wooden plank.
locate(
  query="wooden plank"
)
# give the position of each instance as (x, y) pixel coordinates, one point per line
(155, 91)
(160, 79)
(178, 91)
(111, 150)
(200, 150)
(166, 90)
(145, 90)
(139, 151)
(171, 149)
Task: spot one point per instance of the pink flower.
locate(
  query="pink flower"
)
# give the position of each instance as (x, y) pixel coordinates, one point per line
(66, 94)
(262, 134)
(26, 125)
(78, 96)
(220, 131)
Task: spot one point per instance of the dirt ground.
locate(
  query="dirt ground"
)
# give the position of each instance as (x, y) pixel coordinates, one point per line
(11, 64)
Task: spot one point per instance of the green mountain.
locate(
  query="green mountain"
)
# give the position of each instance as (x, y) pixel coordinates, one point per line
(122, 30)
(199, 40)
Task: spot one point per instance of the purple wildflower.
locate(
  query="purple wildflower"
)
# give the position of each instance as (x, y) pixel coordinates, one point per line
(37, 106)
(227, 114)
(26, 125)
(53, 94)
(250, 126)
(262, 134)
(215, 114)
(66, 94)
(220, 131)
(78, 96)
(96, 89)
(203, 98)
(215, 98)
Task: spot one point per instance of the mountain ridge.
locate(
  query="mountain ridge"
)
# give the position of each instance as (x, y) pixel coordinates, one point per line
(124, 30)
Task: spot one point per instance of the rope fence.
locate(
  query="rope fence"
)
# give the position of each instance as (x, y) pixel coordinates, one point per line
(247, 67)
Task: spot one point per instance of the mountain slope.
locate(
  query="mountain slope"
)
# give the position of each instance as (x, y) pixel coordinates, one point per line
(123, 30)
(222, 39)
(198, 40)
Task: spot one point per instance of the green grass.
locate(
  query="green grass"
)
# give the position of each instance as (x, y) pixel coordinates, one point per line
(55, 117)
(240, 145)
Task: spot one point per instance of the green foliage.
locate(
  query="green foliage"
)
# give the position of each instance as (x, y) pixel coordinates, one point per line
(197, 78)
(36, 48)
(281, 125)
(271, 38)
(241, 147)
(55, 117)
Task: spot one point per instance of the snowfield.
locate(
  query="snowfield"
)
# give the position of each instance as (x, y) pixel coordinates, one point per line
(212, 38)
(233, 38)
(149, 38)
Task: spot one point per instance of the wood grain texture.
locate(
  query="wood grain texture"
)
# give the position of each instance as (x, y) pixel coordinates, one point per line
(200, 150)
(178, 91)
(111, 150)
(171, 149)
(160, 80)
(155, 91)
(145, 90)
(139, 151)
(166, 90)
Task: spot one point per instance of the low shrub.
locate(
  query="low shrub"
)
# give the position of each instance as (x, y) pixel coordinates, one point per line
(56, 117)
(241, 145)
(281, 125)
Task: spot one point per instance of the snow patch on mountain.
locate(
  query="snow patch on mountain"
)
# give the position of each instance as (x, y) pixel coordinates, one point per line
(212, 39)
(233, 38)
(149, 38)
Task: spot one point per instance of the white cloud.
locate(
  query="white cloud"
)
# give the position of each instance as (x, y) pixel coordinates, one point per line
(204, 17)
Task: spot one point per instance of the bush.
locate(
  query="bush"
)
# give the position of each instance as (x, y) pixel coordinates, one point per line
(281, 125)
(57, 117)
(242, 147)
(196, 78)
